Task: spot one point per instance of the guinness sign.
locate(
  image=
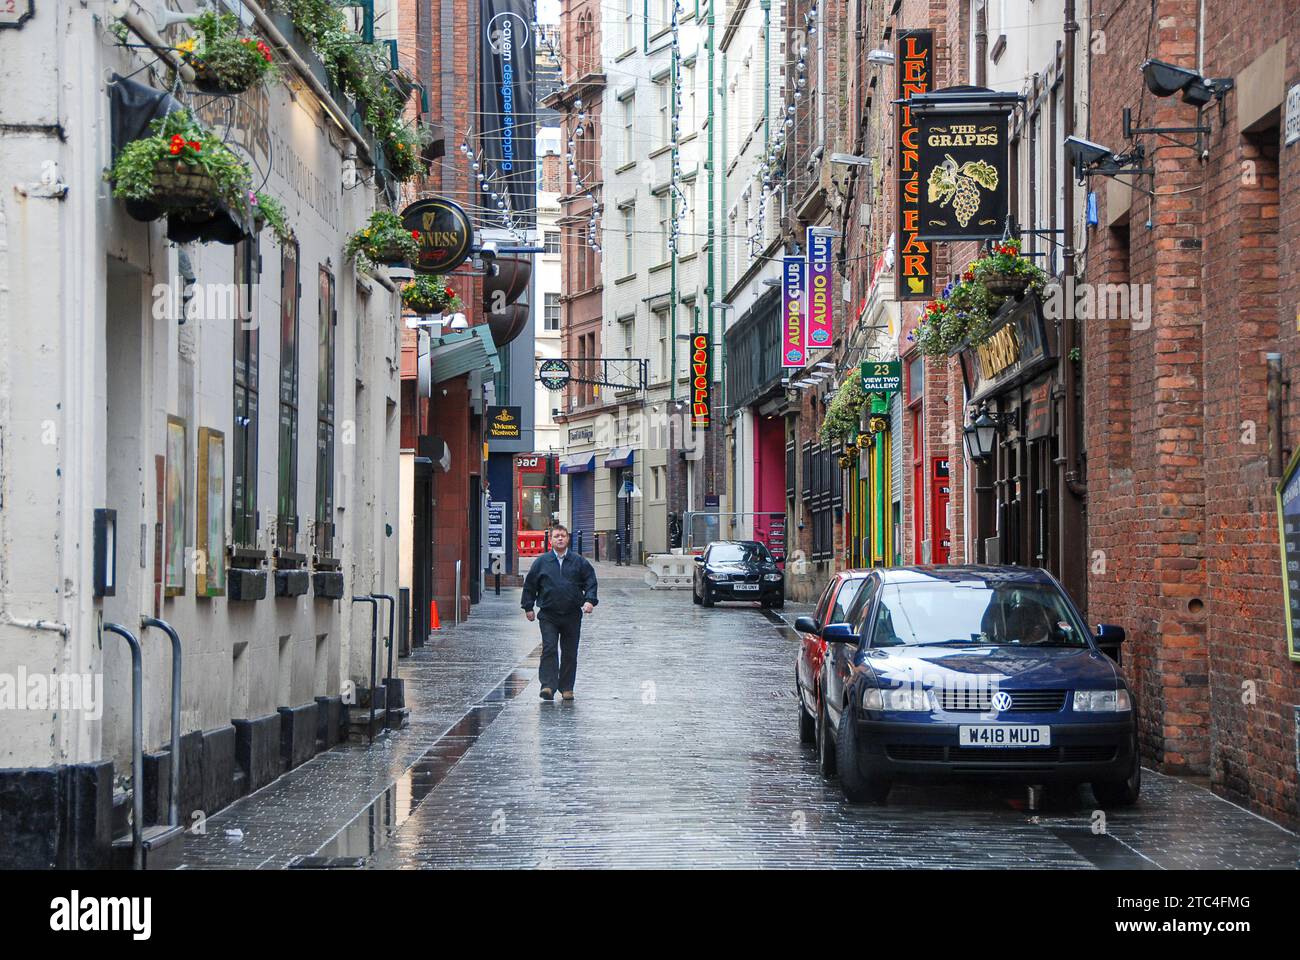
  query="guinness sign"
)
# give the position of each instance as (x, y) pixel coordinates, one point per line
(445, 234)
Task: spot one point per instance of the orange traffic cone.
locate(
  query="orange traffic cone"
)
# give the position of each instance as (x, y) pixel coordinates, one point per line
(434, 622)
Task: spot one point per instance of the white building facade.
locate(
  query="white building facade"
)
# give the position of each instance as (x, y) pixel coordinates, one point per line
(205, 433)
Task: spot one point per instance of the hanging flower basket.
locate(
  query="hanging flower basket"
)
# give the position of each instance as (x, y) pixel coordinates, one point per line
(383, 240)
(177, 184)
(1006, 284)
(180, 167)
(430, 295)
(224, 62)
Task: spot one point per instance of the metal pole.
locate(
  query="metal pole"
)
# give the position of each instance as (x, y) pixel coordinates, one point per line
(137, 744)
(456, 615)
(392, 611)
(174, 800)
(374, 641)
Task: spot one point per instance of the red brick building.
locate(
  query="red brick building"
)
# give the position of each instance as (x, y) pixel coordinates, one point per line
(1184, 450)
(434, 36)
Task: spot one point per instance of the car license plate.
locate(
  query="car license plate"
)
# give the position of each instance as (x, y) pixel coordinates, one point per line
(1004, 735)
(744, 586)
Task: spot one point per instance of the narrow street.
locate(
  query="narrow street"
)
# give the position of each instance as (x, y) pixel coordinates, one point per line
(681, 750)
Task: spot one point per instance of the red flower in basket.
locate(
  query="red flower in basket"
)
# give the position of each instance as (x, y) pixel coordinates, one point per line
(177, 144)
(415, 234)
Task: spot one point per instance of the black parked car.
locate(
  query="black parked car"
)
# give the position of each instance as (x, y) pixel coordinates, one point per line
(738, 570)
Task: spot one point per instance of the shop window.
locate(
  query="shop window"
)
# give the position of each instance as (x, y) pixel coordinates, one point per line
(243, 480)
(328, 326)
(287, 498)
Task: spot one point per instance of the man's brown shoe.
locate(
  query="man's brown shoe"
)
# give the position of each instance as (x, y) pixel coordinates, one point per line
(547, 693)
(567, 694)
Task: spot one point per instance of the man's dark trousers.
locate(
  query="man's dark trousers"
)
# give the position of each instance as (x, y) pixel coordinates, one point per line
(559, 667)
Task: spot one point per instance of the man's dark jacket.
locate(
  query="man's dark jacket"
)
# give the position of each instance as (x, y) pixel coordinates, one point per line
(559, 592)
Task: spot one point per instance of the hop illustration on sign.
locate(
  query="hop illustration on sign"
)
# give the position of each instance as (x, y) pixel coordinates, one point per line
(961, 185)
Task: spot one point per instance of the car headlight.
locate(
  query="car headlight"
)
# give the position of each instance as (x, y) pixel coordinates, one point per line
(716, 576)
(902, 699)
(1102, 701)
(774, 577)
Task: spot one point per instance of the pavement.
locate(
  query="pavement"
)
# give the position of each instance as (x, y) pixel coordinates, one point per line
(681, 750)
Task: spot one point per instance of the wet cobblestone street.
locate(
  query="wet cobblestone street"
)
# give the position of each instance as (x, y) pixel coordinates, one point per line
(681, 750)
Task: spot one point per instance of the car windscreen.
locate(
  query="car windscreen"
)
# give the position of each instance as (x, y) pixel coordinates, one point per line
(739, 553)
(975, 613)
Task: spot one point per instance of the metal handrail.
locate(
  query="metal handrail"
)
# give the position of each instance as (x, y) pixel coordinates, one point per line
(174, 797)
(374, 652)
(392, 614)
(137, 743)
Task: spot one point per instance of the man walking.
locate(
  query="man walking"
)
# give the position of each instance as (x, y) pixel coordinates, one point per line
(563, 586)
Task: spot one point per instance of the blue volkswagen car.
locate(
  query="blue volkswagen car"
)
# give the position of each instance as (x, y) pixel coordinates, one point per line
(972, 671)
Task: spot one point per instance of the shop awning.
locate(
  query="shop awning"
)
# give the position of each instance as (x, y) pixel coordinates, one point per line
(578, 463)
(462, 352)
(619, 457)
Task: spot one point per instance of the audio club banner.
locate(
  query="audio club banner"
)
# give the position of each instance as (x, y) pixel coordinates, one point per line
(821, 316)
(794, 314)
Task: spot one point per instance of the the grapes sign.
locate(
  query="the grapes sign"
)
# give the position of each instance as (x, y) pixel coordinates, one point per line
(963, 162)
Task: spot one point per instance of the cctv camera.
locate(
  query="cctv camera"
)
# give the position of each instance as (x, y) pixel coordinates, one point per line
(489, 248)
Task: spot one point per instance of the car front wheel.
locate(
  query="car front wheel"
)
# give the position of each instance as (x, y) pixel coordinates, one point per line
(858, 784)
(695, 595)
(705, 597)
(1120, 793)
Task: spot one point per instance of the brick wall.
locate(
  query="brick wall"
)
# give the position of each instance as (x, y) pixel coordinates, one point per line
(1181, 503)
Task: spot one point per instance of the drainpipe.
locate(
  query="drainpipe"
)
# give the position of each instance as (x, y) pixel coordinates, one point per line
(713, 246)
(1071, 413)
(672, 252)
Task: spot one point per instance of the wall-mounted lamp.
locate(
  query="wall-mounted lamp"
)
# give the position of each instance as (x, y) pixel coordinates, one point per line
(105, 540)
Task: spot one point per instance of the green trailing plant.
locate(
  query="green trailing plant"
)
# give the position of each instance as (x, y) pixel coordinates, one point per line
(224, 58)
(844, 414)
(383, 240)
(430, 294)
(180, 165)
(269, 210)
(362, 71)
(404, 148)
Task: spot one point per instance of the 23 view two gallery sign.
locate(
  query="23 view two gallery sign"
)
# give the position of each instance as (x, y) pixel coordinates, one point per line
(963, 168)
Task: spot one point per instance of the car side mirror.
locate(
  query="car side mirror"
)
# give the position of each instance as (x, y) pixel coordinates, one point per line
(699, 558)
(806, 624)
(839, 633)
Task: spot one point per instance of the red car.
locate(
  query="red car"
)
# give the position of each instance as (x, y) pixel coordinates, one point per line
(834, 607)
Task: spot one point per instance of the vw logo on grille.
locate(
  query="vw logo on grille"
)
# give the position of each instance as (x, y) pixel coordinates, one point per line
(1001, 701)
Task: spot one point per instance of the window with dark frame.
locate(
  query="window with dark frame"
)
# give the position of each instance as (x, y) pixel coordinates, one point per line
(243, 479)
(287, 497)
(326, 347)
